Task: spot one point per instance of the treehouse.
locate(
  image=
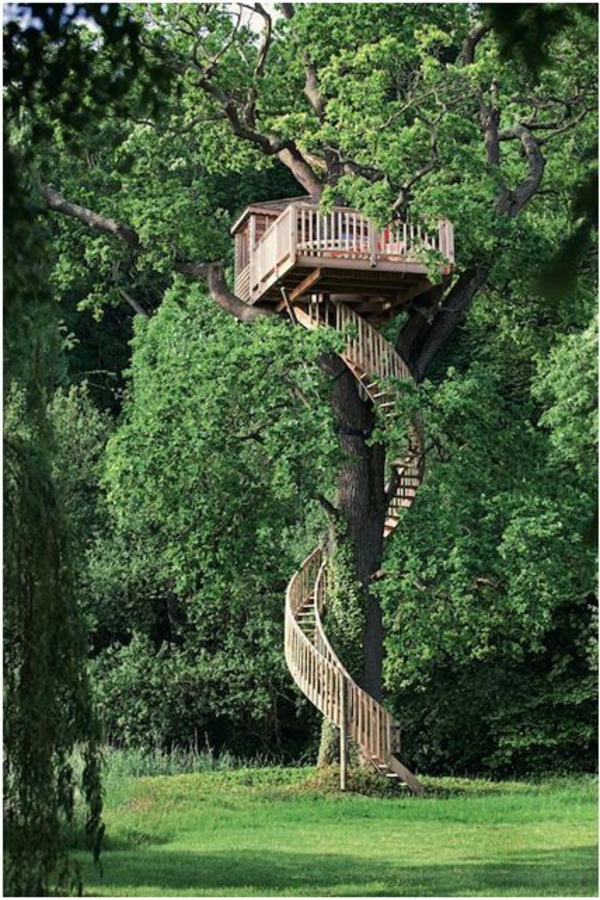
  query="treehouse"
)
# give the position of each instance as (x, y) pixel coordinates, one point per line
(338, 269)
(288, 249)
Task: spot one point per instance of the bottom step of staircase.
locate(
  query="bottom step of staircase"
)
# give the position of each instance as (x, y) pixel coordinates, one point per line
(393, 769)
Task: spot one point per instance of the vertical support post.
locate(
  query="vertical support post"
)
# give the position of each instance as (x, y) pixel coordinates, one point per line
(288, 306)
(318, 237)
(442, 242)
(450, 240)
(373, 243)
(293, 223)
(252, 255)
(343, 733)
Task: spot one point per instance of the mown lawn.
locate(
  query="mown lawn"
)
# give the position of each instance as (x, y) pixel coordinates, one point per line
(289, 832)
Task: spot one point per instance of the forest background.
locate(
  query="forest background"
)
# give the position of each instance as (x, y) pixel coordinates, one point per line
(166, 464)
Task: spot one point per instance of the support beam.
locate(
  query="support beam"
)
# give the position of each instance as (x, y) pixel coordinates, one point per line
(306, 284)
(343, 734)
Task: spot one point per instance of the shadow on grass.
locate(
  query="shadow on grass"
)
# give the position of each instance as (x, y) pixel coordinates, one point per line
(568, 872)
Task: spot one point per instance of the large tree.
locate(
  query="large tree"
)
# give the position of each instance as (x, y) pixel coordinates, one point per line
(385, 106)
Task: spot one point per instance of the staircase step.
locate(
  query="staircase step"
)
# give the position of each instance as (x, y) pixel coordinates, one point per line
(396, 502)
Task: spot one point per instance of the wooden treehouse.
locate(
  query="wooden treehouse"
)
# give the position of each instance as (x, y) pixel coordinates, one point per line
(291, 245)
(338, 269)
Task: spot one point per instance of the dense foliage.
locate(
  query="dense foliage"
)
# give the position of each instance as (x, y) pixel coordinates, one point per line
(194, 456)
(491, 587)
(185, 598)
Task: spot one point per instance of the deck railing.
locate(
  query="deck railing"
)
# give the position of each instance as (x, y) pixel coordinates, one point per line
(302, 230)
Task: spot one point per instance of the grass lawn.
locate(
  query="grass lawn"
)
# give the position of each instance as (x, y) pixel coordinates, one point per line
(257, 832)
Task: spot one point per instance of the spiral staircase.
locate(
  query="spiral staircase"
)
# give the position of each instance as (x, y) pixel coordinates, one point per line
(313, 663)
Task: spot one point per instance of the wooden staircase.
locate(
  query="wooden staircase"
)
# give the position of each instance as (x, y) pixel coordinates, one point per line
(311, 660)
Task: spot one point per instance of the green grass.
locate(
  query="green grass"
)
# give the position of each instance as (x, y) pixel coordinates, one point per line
(261, 832)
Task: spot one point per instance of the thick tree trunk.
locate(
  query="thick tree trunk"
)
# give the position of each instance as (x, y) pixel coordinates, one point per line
(362, 506)
(419, 340)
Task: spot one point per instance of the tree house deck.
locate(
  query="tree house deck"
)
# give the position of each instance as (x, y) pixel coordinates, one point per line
(340, 251)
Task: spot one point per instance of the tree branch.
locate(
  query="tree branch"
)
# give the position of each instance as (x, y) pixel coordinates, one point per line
(270, 145)
(311, 88)
(227, 300)
(489, 116)
(104, 224)
(331, 510)
(553, 128)
(209, 272)
(242, 116)
(133, 303)
(523, 193)
(467, 53)
(288, 10)
(451, 314)
(249, 111)
(418, 341)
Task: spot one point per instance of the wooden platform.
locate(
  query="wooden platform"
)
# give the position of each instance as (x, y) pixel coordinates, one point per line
(339, 252)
